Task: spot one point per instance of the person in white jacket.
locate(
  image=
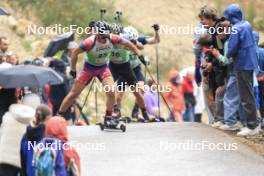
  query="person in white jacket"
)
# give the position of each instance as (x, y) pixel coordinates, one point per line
(200, 105)
(13, 127)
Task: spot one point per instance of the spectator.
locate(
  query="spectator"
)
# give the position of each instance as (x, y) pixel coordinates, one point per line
(258, 80)
(27, 62)
(34, 133)
(58, 92)
(232, 105)
(199, 30)
(242, 49)
(260, 53)
(13, 127)
(38, 62)
(205, 41)
(261, 45)
(2, 58)
(152, 102)
(9, 95)
(174, 96)
(39, 91)
(65, 54)
(260, 75)
(57, 127)
(200, 106)
(208, 18)
(4, 44)
(217, 72)
(187, 90)
(12, 59)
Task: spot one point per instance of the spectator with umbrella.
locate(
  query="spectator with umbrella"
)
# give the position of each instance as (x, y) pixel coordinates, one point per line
(61, 47)
(58, 92)
(9, 95)
(32, 77)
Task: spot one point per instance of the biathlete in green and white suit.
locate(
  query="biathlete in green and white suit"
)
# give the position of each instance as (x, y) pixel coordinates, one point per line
(121, 69)
(135, 63)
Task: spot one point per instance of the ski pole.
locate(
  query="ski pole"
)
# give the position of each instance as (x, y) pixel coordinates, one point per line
(157, 68)
(152, 78)
(86, 98)
(96, 109)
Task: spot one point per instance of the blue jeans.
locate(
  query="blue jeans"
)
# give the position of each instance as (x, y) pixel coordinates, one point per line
(219, 114)
(232, 105)
(188, 115)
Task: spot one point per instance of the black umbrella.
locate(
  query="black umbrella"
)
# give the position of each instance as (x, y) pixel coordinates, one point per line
(59, 43)
(28, 76)
(3, 11)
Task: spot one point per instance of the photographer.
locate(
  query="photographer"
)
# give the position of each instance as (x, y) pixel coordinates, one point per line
(214, 74)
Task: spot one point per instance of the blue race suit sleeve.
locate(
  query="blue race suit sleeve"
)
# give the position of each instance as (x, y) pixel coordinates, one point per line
(143, 40)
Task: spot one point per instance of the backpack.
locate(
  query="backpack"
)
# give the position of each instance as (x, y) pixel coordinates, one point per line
(45, 156)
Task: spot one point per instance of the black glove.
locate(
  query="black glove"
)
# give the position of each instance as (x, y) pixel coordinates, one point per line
(73, 74)
(156, 27)
(142, 59)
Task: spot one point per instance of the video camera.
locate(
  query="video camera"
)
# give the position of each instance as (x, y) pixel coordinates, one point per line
(208, 57)
(207, 50)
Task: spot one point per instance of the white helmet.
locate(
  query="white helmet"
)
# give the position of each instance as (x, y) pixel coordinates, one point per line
(131, 32)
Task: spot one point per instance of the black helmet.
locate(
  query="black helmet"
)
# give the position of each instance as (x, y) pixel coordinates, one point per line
(91, 24)
(102, 27)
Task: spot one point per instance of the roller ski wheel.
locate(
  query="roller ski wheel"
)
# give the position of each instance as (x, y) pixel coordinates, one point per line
(102, 126)
(123, 128)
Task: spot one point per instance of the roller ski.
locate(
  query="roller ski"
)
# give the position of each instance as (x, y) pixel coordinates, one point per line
(113, 123)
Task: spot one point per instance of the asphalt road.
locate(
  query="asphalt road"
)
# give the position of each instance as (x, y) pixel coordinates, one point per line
(163, 149)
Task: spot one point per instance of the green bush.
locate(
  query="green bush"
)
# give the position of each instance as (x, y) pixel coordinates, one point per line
(219, 6)
(260, 24)
(251, 12)
(66, 12)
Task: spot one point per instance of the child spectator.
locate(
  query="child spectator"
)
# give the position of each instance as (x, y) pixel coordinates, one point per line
(174, 96)
(57, 127)
(187, 90)
(152, 102)
(34, 133)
